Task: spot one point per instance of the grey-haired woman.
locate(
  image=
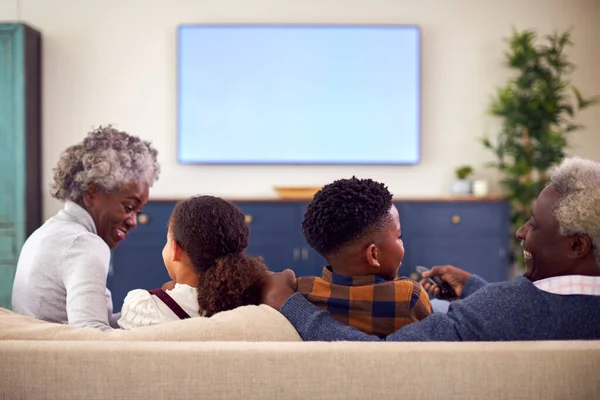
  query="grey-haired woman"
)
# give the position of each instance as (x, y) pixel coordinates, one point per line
(61, 273)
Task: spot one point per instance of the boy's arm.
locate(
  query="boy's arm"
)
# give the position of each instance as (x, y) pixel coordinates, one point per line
(422, 306)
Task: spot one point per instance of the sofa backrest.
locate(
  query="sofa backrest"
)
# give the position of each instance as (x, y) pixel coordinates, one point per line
(249, 323)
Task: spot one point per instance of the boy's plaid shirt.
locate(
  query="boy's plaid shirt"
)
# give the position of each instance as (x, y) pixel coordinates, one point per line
(370, 303)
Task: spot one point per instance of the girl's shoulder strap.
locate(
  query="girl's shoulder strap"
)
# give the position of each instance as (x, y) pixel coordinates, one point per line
(172, 304)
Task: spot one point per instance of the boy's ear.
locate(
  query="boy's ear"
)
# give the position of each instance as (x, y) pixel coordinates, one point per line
(373, 256)
(177, 251)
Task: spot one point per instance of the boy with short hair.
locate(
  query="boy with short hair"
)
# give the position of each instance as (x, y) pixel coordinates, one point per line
(355, 226)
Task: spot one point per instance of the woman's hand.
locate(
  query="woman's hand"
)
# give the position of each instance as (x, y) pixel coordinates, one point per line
(455, 277)
(278, 287)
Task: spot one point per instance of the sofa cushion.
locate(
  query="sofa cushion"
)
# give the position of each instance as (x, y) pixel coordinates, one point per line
(249, 323)
(306, 370)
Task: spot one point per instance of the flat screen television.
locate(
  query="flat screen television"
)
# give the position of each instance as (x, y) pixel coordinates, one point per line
(298, 94)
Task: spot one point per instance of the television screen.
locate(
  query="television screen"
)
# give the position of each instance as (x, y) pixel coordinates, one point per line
(295, 94)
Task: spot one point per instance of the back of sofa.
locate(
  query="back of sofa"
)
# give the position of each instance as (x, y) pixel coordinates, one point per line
(249, 324)
(295, 370)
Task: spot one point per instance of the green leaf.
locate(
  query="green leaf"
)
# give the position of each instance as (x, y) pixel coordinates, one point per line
(572, 127)
(590, 101)
(486, 143)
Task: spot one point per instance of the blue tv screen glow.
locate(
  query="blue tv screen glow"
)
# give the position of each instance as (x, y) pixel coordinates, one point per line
(295, 94)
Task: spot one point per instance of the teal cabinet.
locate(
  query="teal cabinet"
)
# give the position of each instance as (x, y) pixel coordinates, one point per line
(20, 146)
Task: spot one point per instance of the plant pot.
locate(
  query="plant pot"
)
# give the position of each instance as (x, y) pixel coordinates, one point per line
(461, 187)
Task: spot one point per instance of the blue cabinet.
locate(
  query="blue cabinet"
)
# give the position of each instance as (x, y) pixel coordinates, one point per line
(276, 235)
(20, 146)
(473, 235)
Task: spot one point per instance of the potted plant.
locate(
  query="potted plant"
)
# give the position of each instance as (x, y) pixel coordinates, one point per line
(462, 185)
(538, 106)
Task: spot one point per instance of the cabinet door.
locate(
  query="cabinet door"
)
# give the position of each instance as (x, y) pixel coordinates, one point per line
(20, 146)
(312, 262)
(154, 218)
(453, 218)
(277, 255)
(281, 255)
(8, 188)
(137, 265)
(12, 219)
(472, 235)
(275, 234)
(486, 257)
(271, 219)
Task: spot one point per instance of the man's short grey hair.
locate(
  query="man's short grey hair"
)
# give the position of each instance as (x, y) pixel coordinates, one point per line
(107, 158)
(578, 211)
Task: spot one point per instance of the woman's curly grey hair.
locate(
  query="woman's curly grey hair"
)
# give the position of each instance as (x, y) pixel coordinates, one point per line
(108, 158)
(578, 210)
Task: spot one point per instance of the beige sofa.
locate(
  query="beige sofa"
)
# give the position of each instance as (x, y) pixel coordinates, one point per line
(254, 353)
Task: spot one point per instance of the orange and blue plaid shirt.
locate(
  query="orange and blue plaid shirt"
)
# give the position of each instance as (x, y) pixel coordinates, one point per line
(369, 303)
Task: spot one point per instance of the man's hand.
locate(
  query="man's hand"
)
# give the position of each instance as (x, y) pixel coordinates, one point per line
(278, 287)
(455, 277)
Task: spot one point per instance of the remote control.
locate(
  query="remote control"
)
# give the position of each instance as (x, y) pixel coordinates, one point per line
(446, 291)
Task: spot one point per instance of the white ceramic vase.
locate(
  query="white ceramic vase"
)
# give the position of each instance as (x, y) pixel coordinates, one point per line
(461, 187)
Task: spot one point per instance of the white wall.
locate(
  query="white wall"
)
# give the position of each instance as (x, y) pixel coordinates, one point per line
(113, 61)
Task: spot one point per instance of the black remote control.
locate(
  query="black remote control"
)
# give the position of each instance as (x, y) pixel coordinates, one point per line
(446, 291)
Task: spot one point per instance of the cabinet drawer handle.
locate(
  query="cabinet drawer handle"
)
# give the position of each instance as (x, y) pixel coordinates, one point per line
(456, 219)
(304, 253)
(296, 253)
(248, 219)
(143, 219)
